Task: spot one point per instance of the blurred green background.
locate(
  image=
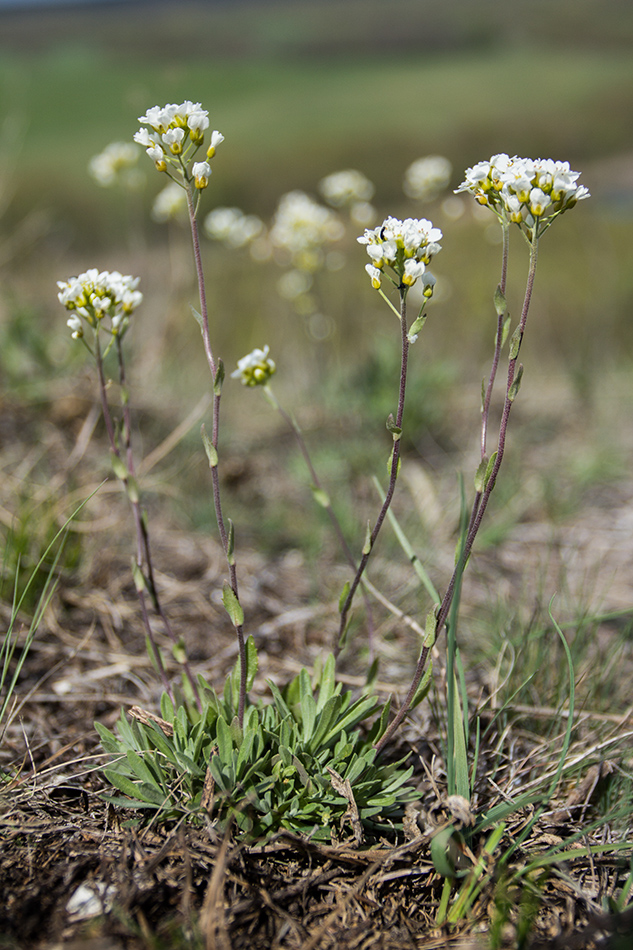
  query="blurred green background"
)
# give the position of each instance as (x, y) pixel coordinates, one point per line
(301, 89)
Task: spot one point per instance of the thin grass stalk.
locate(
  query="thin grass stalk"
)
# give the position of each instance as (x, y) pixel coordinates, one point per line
(395, 465)
(479, 505)
(216, 370)
(325, 502)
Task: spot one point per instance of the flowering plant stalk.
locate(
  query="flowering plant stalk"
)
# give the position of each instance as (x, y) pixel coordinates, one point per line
(531, 194)
(176, 137)
(104, 303)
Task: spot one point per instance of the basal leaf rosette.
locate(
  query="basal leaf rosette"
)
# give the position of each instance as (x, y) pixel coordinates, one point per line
(101, 299)
(176, 136)
(404, 248)
(528, 192)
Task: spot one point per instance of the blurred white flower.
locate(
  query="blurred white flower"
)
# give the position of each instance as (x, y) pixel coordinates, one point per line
(233, 227)
(427, 177)
(116, 164)
(341, 189)
(169, 203)
(255, 369)
(302, 227)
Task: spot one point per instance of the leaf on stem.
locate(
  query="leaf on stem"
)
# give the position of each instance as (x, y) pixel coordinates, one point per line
(232, 605)
(209, 448)
(198, 318)
(219, 379)
(515, 343)
(367, 544)
(500, 301)
(119, 467)
(343, 597)
(395, 430)
(320, 496)
(516, 385)
(230, 544)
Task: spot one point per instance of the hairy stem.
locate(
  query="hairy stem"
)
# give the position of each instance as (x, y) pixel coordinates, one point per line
(110, 428)
(479, 506)
(144, 554)
(216, 370)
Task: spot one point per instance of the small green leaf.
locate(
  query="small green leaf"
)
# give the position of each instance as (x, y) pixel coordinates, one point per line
(505, 330)
(343, 597)
(367, 544)
(395, 430)
(225, 741)
(179, 651)
(219, 379)
(320, 496)
(119, 467)
(209, 448)
(230, 547)
(444, 852)
(198, 317)
(415, 327)
(500, 301)
(327, 683)
(515, 343)
(490, 468)
(252, 662)
(232, 605)
(480, 480)
(516, 384)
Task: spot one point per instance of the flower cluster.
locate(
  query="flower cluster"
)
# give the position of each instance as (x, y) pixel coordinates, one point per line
(233, 227)
(352, 190)
(116, 164)
(404, 246)
(255, 369)
(96, 295)
(177, 134)
(427, 177)
(529, 192)
(302, 227)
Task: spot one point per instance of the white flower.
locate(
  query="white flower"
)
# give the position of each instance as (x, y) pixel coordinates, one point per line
(201, 172)
(255, 369)
(114, 163)
(178, 133)
(302, 228)
(412, 270)
(529, 192)
(233, 227)
(95, 295)
(375, 275)
(341, 189)
(169, 203)
(427, 177)
(216, 139)
(404, 246)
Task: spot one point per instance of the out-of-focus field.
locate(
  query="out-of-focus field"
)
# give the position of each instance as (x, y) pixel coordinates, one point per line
(300, 90)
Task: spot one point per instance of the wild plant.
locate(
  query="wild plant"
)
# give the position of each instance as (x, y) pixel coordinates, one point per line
(305, 761)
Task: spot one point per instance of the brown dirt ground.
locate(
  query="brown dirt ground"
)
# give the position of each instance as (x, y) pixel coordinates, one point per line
(186, 887)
